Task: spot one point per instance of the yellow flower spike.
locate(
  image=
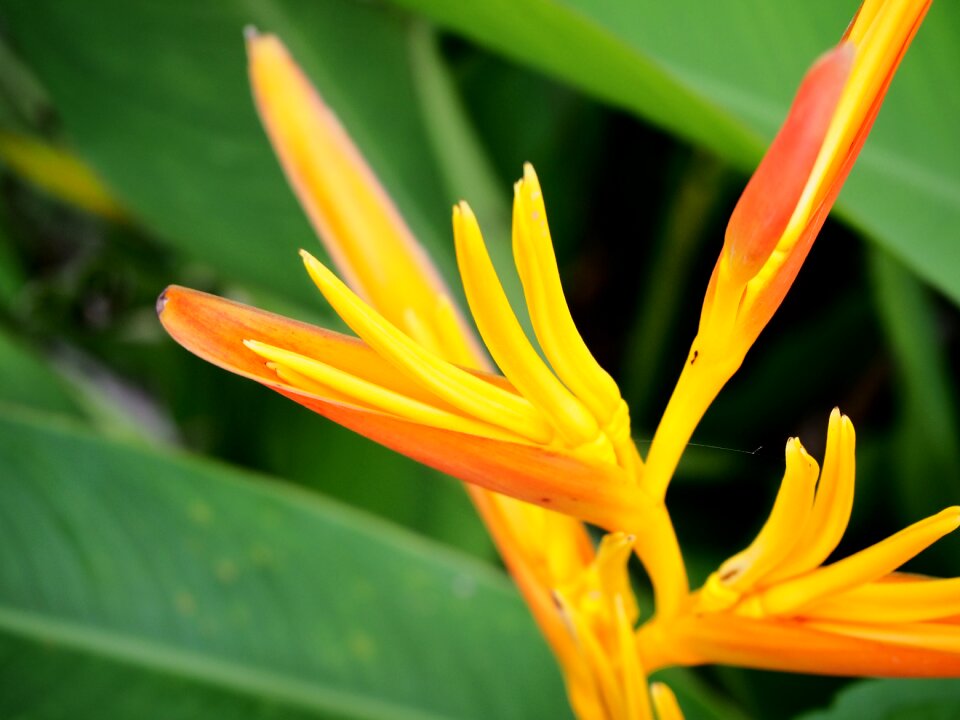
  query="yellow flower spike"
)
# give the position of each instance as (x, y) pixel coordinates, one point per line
(556, 332)
(509, 346)
(865, 566)
(353, 215)
(833, 503)
(58, 172)
(459, 388)
(665, 702)
(775, 540)
(781, 211)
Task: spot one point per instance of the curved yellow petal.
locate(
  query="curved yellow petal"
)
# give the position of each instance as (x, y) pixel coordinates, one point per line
(779, 534)
(665, 702)
(832, 505)
(868, 565)
(448, 382)
(549, 312)
(353, 215)
(506, 341)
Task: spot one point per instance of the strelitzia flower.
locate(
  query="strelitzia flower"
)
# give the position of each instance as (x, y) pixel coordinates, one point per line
(781, 211)
(775, 605)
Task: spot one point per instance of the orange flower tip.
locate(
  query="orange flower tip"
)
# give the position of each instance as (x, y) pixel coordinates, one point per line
(250, 32)
(771, 196)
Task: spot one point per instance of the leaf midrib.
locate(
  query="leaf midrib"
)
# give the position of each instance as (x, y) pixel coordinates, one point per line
(237, 677)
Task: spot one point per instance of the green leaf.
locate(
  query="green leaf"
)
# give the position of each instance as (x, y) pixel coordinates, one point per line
(722, 74)
(927, 457)
(155, 97)
(140, 585)
(27, 380)
(696, 699)
(895, 700)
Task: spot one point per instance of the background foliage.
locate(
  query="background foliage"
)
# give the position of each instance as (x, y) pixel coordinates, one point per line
(177, 543)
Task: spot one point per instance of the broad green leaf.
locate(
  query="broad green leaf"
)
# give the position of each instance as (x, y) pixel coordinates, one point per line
(135, 584)
(27, 380)
(927, 470)
(11, 273)
(722, 75)
(895, 700)
(154, 96)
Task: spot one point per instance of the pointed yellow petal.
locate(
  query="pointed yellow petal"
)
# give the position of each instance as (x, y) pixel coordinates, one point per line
(865, 566)
(506, 341)
(779, 534)
(611, 564)
(832, 505)
(373, 396)
(448, 382)
(665, 702)
(353, 215)
(552, 322)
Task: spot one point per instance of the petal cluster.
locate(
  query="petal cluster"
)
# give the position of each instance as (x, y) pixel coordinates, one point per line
(856, 615)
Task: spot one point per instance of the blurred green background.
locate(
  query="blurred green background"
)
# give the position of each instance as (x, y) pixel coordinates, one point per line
(176, 542)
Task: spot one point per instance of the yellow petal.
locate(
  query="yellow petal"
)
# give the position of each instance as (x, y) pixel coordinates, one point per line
(832, 505)
(353, 215)
(779, 534)
(371, 395)
(865, 566)
(506, 341)
(665, 702)
(455, 386)
(549, 313)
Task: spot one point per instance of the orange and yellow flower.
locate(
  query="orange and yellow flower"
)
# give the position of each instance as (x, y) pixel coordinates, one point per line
(544, 444)
(854, 616)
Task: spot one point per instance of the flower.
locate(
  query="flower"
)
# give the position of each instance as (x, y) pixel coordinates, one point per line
(782, 209)
(546, 445)
(419, 381)
(776, 606)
